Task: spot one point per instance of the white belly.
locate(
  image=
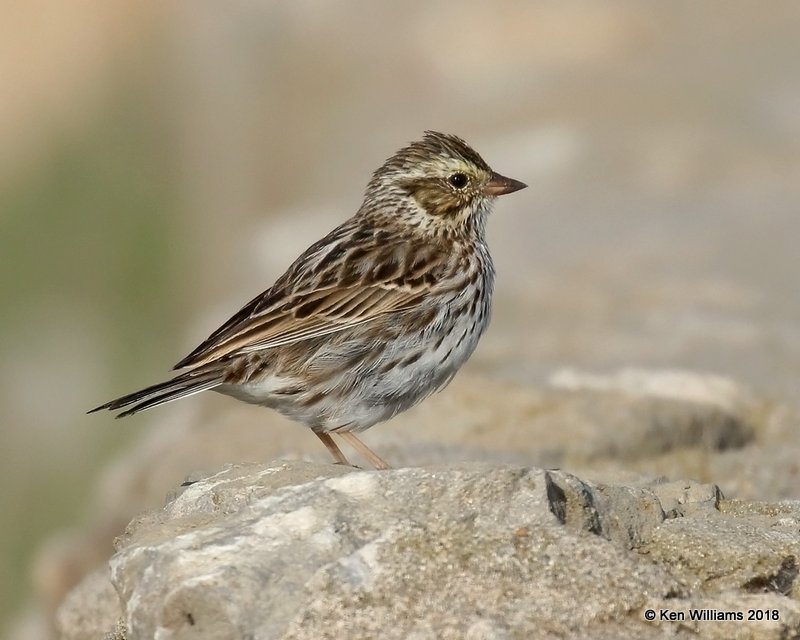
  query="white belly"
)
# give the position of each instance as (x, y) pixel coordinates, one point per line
(404, 371)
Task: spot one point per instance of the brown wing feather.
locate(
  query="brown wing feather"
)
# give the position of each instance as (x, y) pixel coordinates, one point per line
(335, 285)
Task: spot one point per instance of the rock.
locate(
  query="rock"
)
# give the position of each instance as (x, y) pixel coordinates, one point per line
(301, 550)
(752, 553)
(689, 386)
(614, 432)
(90, 609)
(626, 417)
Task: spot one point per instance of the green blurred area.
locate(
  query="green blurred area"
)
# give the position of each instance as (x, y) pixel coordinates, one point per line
(112, 180)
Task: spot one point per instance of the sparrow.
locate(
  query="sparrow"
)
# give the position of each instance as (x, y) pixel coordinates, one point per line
(371, 319)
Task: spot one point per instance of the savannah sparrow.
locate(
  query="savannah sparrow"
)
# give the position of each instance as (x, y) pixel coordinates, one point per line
(373, 318)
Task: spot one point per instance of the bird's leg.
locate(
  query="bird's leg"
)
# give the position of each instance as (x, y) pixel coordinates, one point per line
(373, 458)
(336, 452)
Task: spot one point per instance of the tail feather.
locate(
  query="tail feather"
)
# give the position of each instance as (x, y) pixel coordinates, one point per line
(181, 386)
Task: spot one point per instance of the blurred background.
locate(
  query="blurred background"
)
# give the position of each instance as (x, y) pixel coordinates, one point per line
(162, 162)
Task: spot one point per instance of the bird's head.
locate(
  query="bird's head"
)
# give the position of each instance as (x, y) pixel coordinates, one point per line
(437, 184)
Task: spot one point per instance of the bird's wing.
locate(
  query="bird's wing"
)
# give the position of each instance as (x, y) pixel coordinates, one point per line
(329, 289)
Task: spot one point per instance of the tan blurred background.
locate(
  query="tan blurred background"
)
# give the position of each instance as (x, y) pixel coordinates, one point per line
(161, 162)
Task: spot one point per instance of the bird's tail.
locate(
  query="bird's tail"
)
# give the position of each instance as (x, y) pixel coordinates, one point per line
(181, 386)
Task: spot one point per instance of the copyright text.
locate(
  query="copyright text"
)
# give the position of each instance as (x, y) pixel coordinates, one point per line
(710, 615)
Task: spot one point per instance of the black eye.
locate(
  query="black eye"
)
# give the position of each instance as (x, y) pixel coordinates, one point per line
(458, 180)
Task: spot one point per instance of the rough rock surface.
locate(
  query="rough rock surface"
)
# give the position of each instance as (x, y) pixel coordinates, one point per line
(617, 531)
(301, 550)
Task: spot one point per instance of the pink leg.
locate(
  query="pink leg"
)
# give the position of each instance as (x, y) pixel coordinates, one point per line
(336, 452)
(373, 458)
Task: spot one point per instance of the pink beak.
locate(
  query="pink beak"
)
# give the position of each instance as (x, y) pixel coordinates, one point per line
(500, 185)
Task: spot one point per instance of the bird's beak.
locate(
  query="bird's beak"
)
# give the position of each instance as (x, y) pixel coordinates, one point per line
(500, 185)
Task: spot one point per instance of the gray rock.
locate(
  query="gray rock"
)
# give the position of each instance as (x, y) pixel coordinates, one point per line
(90, 609)
(615, 432)
(299, 550)
(624, 419)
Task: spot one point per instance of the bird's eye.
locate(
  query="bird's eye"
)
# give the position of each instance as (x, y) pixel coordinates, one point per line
(458, 180)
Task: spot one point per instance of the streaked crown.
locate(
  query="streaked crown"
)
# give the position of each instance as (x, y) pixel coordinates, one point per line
(439, 181)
